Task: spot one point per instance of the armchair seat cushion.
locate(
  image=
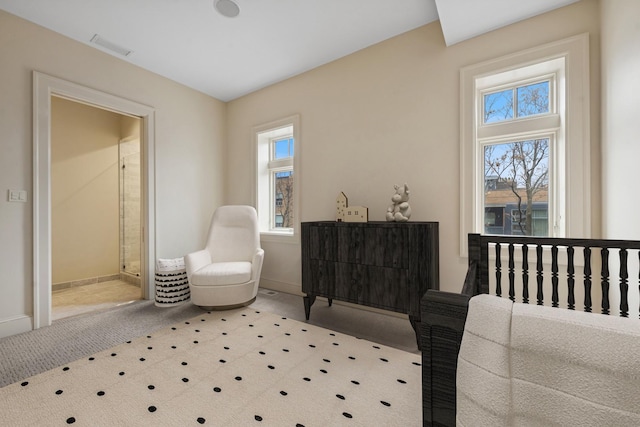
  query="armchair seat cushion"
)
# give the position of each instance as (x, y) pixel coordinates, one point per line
(222, 273)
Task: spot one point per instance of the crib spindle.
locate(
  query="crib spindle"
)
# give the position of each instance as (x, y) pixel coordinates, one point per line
(498, 271)
(587, 279)
(525, 274)
(604, 275)
(539, 276)
(512, 275)
(624, 284)
(571, 298)
(554, 276)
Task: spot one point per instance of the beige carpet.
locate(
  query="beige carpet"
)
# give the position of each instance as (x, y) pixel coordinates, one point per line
(233, 368)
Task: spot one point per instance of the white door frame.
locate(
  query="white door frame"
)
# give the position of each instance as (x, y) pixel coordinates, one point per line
(44, 86)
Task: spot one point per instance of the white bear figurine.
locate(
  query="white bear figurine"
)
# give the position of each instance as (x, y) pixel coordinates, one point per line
(399, 211)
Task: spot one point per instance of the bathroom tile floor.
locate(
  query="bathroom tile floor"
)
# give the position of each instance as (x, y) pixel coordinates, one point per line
(83, 299)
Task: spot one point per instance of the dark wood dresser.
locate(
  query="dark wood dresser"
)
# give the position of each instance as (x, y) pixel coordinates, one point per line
(387, 265)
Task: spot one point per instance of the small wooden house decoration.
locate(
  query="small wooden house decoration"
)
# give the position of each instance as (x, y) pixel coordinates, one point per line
(347, 213)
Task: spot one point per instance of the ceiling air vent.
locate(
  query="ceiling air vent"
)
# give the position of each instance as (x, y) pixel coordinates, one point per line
(96, 39)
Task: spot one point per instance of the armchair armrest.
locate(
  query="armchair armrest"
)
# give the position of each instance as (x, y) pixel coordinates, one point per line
(256, 268)
(196, 260)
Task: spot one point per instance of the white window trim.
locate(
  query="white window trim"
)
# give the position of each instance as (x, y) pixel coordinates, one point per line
(262, 135)
(577, 178)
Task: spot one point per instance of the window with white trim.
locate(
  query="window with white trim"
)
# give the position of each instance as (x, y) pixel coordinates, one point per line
(525, 158)
(276, 178)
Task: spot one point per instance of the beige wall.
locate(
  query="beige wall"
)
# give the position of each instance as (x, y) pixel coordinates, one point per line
(620, 123)
(389, 114)
(84, 191)
(189, 142)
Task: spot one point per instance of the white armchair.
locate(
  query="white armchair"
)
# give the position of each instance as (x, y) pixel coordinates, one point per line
(226, 273)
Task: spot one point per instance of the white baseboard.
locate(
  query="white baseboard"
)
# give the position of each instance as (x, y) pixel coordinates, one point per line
(15, 325)
(290, 288)
(275, 285)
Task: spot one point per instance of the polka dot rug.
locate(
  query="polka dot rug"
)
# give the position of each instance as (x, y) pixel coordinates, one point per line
(240, 367)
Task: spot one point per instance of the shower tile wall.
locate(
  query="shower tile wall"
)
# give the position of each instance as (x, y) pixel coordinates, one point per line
(130, 208)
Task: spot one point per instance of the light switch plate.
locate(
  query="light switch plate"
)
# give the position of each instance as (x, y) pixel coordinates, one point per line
(17, 195)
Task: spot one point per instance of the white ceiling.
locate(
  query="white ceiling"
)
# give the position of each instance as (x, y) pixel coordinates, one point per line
(270, 41)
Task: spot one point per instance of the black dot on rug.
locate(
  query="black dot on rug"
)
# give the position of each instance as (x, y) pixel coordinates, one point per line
(260, 336)
(312, 346)
(148, 336)
(223, 319)
(174, 328)
(142, 359)
(100, 393)
(286, 350)
(58, 392)
(217, 389)
(128, 342)
(324, 371)
(287, 334)
(352, 358)
(376, 347)
(307, 379)
(258, 418)
(348, 415)
(383, 359)
(401, 381)
(417, 364)
(262, 353)
(271, 367)
(24, 383)
(282, 392)
(223, 361)
(257, 312)
(238, 378)
(299, 425)
(201, 420)
(197, 330)
(66, 368)
(276, 324)
(303, 330)
(327, 360)
(339, 396)
(355, 382)
(152, 408)
(149, 348)
(184, 363)
(151, 387)
(174, 347)
(244, 315)
(251, 326)
(121, 373)
(332, 334)
(385, 403)
(226, 348)
(335, 343)
(92, 358)
(185, 380)
(71, 420)
(203, 320)
(195, 342)
(187, 323)
(224, 333)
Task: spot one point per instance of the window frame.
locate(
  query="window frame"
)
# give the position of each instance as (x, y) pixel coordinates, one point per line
(571, 162)
(266, 167)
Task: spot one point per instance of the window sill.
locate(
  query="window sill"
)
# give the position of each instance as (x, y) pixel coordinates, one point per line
(279, 237)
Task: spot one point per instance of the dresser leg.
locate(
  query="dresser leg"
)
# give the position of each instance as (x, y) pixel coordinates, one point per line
(308, 302)
(330, 301)
(415, 323)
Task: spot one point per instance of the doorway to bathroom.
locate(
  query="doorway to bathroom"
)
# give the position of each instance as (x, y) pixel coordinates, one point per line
(95, 208)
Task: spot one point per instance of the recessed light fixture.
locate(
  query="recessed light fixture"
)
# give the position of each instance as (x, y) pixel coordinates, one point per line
(226, 8)
(96, 39)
